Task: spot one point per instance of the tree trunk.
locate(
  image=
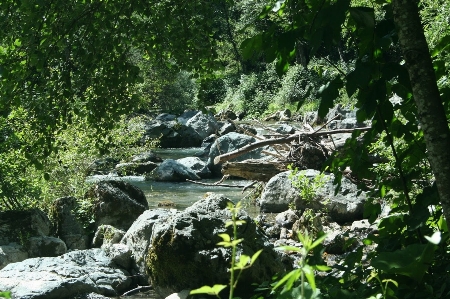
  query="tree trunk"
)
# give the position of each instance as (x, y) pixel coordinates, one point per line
(430, 109)
(254, 170)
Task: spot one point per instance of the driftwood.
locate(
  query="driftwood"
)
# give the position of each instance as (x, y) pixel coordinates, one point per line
(254, 169)
(282, 140)
(217, 185)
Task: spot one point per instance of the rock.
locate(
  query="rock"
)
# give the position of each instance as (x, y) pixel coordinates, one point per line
(196, 165)
(226, 114)
(19, 226)
(117, 203)
(166, 117)
(203, 124)
(101, 166)
(172, 171)
(184, 243)
(187, 115)
(346, 205)
(147, 157)
(171, 134)
(135, 168)
(206, 146)
(226, 127)
(184, 294)
(285, 115)
(12, 253)
(229, 143)
(66, 226)
(138, 239)
(90, 296)
(74, 273)
(119, 254)
(286, 218)
(246, 129)
(107, 234)
(45, 246)
(285, 129)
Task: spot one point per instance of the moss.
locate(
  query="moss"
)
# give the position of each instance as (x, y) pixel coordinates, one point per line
(169, 265)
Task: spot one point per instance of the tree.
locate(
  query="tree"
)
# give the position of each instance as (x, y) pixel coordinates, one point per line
(431, 112)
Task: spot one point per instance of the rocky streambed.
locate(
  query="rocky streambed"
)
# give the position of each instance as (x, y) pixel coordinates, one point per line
(140, 244)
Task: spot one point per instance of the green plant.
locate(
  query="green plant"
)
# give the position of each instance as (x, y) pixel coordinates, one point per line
(6, 295)
(304, 270)
(237, 267)
(308, 187)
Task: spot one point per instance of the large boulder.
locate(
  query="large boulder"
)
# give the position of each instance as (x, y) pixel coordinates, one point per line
(184, 252)
(138, 239)
(171, 134)
(196, 165)
(347, 205)
(203, 124)
(117, 203)
(228, 143)
(18, 226)
(149, 156)
(172, 171)
(135, 168)
(66, 225)
(66, 276)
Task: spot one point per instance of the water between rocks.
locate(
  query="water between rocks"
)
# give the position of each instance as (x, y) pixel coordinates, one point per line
(182, 194)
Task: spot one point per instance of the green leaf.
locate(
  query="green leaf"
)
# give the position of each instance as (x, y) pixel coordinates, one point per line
(255, 256)
(442, 44)
(46, 176)
(328, 93)
(225, 237)
(309, 274)
(288, 248)
(363, 16)
(294, 275)
(215, 290)
(413, 261)
(435, 239)
(318, 241)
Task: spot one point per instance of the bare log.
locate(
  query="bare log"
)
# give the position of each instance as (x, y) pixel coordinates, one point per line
(254, 169)
(282, 140)
(216, 185)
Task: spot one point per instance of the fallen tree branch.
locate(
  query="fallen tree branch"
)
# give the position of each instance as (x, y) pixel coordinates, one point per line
(216, 185)
(258, 144)
(137, 290)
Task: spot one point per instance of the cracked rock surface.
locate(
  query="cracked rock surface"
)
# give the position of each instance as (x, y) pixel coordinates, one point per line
(66, 276)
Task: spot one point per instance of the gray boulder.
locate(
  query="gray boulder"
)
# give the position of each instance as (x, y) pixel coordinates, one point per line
(196, 165)
(165, 117)
(66, 276)
(12, 253)
(285, 129)
(135, 168)
(172, 171)
(346, 205)
(184, 255)
(228, 143)
(117, 203)
(171, 134)
(107, 234)
(45, 246)
(186, 115)
(147, 157)
(66, 226)
(226, 127)
(138, 239)
(19, 226)
(101, 166)
(203, 124)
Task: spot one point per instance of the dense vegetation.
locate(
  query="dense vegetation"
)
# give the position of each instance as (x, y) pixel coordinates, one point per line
(69, 70)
